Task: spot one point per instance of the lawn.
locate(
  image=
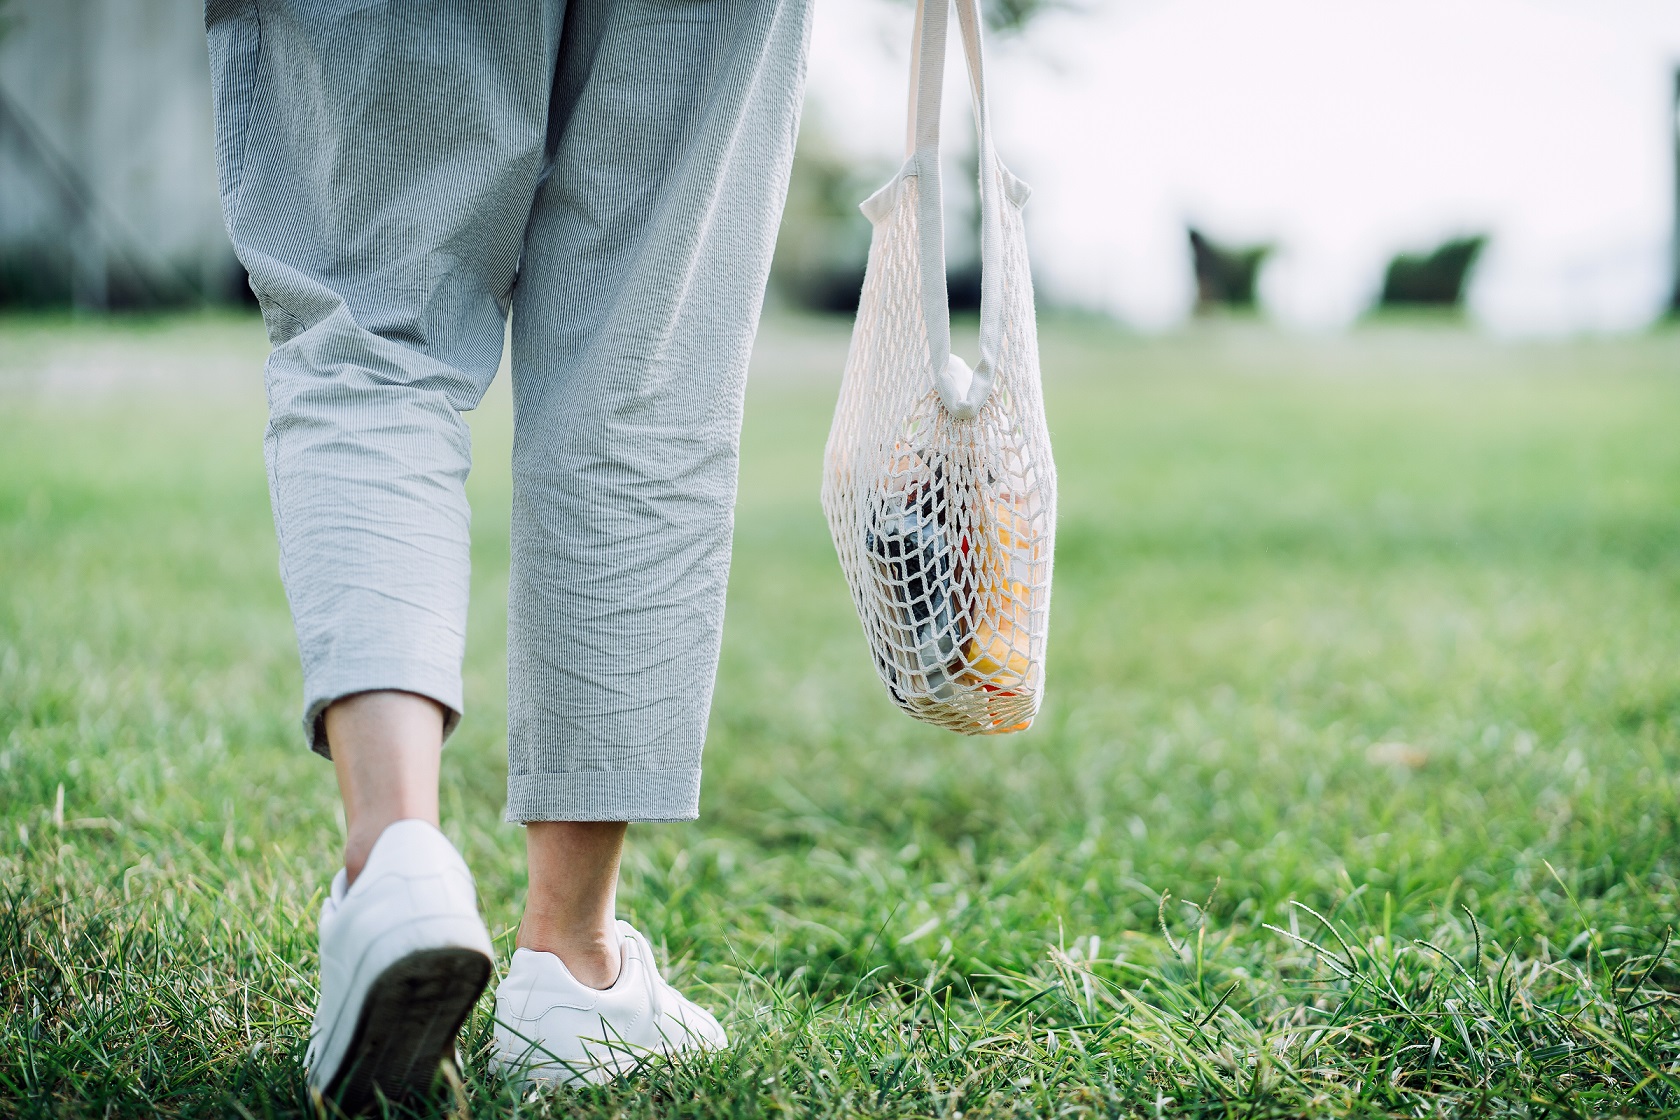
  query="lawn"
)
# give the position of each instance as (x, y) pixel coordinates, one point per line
(1354, 793)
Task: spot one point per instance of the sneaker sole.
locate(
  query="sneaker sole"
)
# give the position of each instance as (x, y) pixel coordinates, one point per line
(408, 1024)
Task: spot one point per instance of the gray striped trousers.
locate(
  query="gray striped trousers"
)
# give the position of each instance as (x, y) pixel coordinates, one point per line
(398, 176)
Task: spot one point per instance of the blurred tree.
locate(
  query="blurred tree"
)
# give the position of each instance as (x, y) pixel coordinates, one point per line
(1226, 275)
(1434, 279)
(823, 244)
(1007, 16)
(1013, 15)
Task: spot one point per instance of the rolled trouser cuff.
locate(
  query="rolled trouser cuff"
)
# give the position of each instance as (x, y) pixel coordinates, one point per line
(604, 795)
(329, 683)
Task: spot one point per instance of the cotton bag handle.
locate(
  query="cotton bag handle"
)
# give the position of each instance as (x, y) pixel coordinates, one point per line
(961, 390)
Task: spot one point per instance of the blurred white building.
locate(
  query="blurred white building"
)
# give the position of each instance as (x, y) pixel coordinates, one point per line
(107, 158)
(1342, 131)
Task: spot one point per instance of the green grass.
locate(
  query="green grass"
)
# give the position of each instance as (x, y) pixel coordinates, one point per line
(1354, 792)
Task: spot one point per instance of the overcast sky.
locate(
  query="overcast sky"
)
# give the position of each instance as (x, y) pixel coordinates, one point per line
(1343, 131)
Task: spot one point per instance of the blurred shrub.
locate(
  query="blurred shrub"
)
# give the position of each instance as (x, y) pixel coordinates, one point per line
(1434, 279)
(1226, 275)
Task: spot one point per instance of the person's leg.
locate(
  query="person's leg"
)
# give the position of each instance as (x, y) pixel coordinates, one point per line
(378, 162)
(672, 134)
(638, 299)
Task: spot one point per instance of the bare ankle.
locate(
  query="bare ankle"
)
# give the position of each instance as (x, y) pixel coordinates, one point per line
(569, 910)
(592, 955)
(385, 748)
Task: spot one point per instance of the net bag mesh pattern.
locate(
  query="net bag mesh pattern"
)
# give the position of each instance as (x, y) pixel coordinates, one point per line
(945, 522)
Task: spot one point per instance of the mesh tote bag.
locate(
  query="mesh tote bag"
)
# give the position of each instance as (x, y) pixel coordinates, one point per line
(938, 483)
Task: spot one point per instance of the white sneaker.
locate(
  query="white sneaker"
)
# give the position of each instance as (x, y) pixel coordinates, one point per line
(404, 956)
(552, 1028)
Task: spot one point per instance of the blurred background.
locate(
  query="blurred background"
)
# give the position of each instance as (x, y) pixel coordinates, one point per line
(1313, 160)
(1361, 367)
